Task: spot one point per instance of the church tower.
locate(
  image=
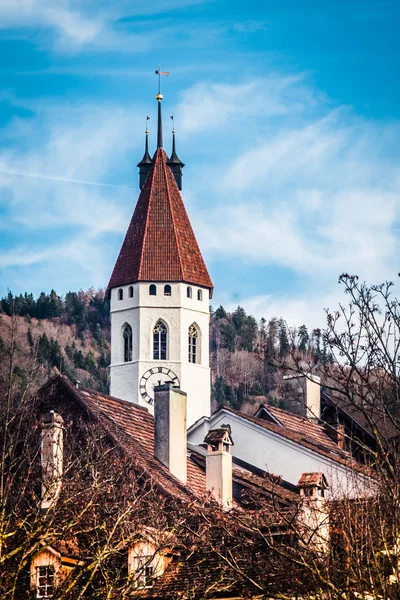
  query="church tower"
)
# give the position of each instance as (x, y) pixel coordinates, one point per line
(160, 290)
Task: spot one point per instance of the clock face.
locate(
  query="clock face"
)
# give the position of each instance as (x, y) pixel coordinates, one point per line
(155, 376)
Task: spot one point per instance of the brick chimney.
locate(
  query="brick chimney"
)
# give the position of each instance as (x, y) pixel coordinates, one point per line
(219, 464)
(52, 454)
(170, 441)
(304, 395)
(313, 515)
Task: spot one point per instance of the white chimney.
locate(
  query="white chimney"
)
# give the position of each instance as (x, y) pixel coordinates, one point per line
(170, 441)
(219, 464)
(52, 454)
(305, 389)
(313, 515)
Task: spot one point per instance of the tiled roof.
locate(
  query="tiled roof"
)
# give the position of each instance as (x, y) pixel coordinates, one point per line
(315, 433)
(160, 244)
(320, 445)
(132, 426)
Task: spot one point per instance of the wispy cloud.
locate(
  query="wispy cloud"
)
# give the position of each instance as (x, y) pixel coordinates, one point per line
(55, 209)
(86, 23)
(317, 195)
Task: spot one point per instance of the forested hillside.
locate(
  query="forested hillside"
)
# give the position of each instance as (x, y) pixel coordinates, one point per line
(72, 334)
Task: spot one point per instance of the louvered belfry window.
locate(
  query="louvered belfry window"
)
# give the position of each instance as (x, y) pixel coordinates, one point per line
(160, 336)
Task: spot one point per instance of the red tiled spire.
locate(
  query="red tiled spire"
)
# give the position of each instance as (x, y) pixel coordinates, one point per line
(160, 244)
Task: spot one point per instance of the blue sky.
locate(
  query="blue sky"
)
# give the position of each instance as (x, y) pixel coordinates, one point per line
(287, 117)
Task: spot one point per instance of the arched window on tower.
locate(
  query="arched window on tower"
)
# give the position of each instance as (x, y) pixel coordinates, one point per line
(131, 291)
(152, 290)
(127, 343)
(199, 295)
(167, 290)
(120, 294)
(160, 339)
(189, 291)
(194, 344)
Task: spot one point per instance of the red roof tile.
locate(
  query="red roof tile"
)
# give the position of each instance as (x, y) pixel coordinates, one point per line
(160, 244)
(132, 426)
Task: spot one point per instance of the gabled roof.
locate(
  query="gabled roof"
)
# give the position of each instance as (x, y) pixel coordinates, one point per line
(160, 244)
(316, 434)
(132, 427)
(308, 435)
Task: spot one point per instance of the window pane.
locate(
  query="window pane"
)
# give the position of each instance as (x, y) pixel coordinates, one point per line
(156, 340)
(164, 345)
(45, 581)
(128, 343)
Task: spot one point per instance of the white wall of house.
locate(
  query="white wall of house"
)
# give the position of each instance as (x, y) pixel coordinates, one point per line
(270, 452)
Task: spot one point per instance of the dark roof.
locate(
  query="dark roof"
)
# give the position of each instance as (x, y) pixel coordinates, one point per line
(160, 244)
(367, 417)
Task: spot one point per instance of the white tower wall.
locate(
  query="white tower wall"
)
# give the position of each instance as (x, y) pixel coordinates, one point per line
(178, 312)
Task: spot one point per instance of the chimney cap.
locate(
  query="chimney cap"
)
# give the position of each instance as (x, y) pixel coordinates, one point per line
(220, 434)
(313, 480)
(169, 385)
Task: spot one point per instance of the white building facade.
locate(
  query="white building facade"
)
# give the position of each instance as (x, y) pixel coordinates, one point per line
(269, 451)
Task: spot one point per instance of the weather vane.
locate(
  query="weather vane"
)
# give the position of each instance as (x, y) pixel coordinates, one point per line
(159, 73)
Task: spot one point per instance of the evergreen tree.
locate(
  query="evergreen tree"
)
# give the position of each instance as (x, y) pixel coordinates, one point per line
(317, 344)
(284, 345)
(272, 336)
(219, 391)
(220, 313)
(43, 306)
(30, 337)
(55, 307)
(304, 339)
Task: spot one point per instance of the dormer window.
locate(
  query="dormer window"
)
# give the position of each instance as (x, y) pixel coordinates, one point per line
(45, 581)
(152, 290)
(146, 563)
(145, 571)
(120, 294)
(167, 290)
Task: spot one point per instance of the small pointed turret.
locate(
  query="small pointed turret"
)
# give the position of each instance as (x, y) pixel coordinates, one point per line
(175, 164)
(145, 164)
(159, 126)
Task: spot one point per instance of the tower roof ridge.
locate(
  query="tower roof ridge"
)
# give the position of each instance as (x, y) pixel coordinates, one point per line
(160, 244)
